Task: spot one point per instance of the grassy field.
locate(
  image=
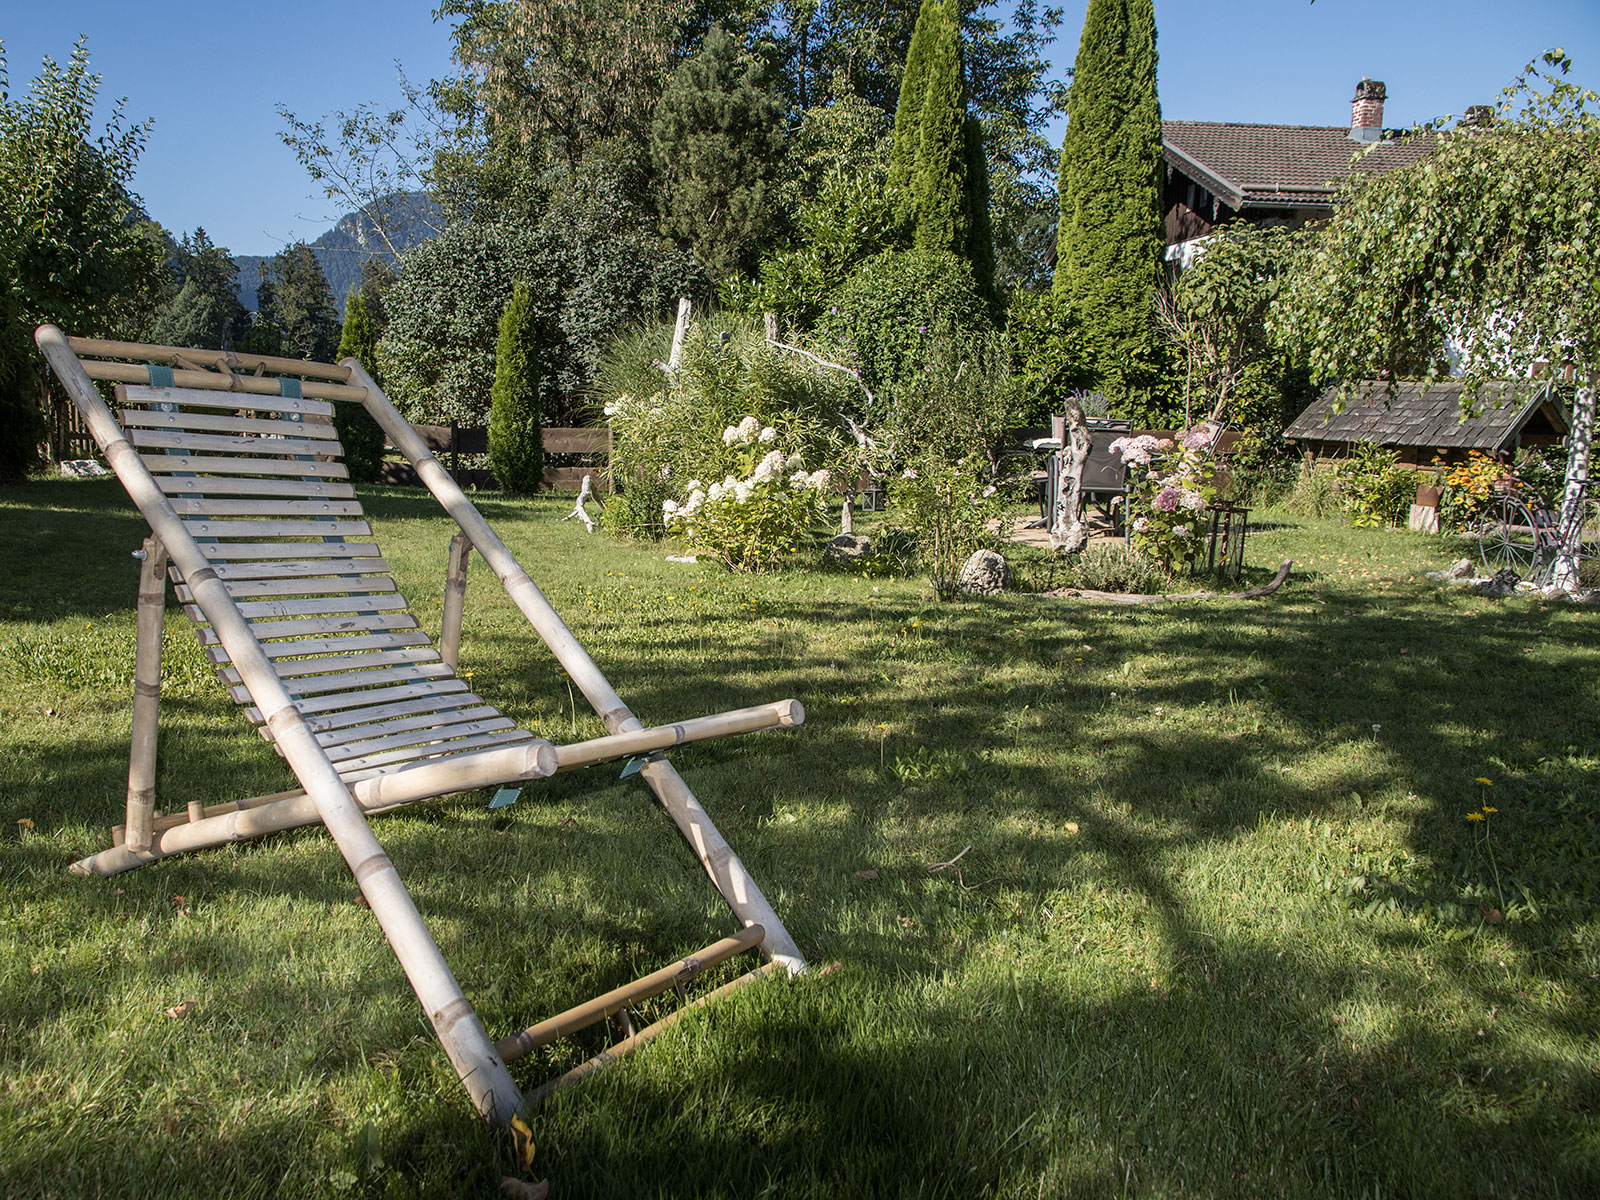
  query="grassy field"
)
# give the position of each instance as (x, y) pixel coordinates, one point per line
(1223, 927)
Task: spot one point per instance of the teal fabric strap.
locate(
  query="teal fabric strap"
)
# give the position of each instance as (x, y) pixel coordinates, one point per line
(287, 387)
(160, 376)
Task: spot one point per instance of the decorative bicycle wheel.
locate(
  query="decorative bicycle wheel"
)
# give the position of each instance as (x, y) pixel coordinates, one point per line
(1509, 538)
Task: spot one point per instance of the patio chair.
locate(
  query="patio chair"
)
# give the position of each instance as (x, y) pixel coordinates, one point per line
(234, 461)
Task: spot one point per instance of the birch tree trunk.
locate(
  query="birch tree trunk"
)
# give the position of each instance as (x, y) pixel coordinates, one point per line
(1564, 577)
(1068, 532)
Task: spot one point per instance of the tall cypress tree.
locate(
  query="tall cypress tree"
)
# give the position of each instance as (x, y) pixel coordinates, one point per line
(362, 436)
(937, 164)
(516, 441)
(1108, 247)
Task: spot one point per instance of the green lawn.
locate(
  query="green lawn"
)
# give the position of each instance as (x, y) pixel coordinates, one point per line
(1223, 928)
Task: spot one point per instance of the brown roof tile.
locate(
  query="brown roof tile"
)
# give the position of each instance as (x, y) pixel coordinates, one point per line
(1299, 165)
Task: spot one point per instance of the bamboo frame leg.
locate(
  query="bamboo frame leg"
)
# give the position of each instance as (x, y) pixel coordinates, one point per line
(455, 599)
(146, 695)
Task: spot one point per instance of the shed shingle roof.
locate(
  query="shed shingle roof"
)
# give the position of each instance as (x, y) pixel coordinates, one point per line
(1429, 419)
(1279, 165)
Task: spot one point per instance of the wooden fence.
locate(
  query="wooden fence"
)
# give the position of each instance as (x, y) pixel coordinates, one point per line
(565, 450)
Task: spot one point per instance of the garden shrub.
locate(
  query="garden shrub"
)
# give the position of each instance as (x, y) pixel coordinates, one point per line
(885, 316)
(516, 440)
(675, 434)
(948, 506)
(757, 513)
(1113, 567)
(1172, 485)
(1374, 490)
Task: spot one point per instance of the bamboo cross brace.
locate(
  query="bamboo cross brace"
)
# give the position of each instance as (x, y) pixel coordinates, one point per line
(590, 1012)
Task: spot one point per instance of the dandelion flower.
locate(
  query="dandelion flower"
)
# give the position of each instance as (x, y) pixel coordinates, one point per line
(1489, 808)
(1485, 782)
(1475, 816)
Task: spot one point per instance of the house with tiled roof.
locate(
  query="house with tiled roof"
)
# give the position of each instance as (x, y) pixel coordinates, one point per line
(1218, 171)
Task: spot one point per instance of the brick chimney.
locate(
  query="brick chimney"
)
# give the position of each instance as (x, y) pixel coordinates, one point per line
(1366, 111)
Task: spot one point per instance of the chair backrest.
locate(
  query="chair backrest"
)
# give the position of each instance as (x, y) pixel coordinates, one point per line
(259, 483)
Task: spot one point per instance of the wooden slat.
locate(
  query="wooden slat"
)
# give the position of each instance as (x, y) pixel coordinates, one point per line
(448, 728)
(206, 528)
(305, 606)
(352, 623)
(403, 691)
(232, 551)
(160, 464)
(213, 485)
(331, 585)
(317, 647)
(348, 662)
(233, 385)
(292, 568)
(329, 722)
(221, 359)
(321, 685)
(214, 423)
(279, 447)
(264, 399)
(378, 764)
(426, 717)
(208, 506)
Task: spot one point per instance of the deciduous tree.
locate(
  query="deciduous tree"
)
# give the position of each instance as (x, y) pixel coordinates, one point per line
(1492, 242)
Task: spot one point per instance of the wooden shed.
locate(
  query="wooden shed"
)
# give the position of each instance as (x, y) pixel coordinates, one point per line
(1423, 422)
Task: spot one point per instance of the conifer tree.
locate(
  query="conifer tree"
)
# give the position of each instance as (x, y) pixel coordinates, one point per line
(1110, 237)
(516, 441)
(937, 165)
(717, 140)
(361, 436)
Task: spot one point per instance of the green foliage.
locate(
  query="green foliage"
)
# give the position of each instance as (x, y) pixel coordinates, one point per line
(670, 432)
(593, 267)
(1373, 489)
(303, 308)
(68, 223)
(717, 143)
(842, 228)
(1111, 233)
(516, 440)
(204, 311)
(20, 421)
(1172, 485)
(948, 505)
(957, 406)
(1049, 355)
(1215, 314)
(362, 437)
(1113, 567)
(883, 318)
(1498, 219)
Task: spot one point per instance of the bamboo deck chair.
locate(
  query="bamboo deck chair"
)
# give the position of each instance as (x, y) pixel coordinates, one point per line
(234, 461)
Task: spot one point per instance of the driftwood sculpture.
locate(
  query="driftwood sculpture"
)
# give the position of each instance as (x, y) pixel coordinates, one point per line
(234, 462)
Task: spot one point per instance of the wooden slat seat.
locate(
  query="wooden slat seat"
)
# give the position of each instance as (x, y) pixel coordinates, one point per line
(252, 486)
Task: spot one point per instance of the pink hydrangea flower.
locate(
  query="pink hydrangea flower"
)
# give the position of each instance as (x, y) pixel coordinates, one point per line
(1167, 499)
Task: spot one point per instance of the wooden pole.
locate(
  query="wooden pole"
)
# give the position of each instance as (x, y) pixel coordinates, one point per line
(466, 1043)
(146, 694)
(591, 1012)
(222, 360)
(455, 598)
(223, 823)
(679, 332)
(583, 1070)
(720, 862)
(213, 382)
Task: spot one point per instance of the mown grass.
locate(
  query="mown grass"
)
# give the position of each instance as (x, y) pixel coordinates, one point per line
(1223, 928)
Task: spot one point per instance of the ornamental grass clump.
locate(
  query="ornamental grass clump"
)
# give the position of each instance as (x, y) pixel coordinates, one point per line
(750, 521)
(1173, 485)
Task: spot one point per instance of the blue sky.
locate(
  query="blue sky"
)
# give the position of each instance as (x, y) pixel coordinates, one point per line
(211, 75)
